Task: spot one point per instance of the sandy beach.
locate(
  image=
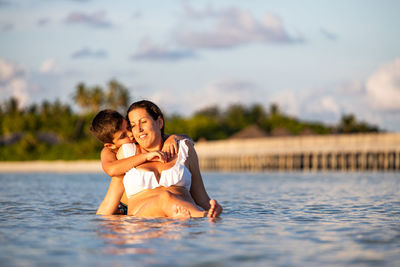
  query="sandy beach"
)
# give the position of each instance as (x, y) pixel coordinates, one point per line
(50, 166)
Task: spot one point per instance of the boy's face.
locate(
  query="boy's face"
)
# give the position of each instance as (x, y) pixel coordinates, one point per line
(121, 137)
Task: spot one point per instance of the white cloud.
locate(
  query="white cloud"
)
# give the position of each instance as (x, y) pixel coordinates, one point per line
(374, 100)
(6, 70)
(222, 93)
(329, 104)
(9, 71)
(383, 87)
(89, 53)
(97, 19)
(230, 27)
(13, 82)
(49, 66)
(312, 104)
(167, 101)
(150, 51)
(354, 87)
(288, 102)
(19, 89)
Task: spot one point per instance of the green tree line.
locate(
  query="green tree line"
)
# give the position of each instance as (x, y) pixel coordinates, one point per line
(52, 130)
(212, 123)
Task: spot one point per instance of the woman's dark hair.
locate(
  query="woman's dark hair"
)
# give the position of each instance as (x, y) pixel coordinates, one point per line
(152, 109)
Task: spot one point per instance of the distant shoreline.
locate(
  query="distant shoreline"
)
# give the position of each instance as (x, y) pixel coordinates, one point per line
(93, 166)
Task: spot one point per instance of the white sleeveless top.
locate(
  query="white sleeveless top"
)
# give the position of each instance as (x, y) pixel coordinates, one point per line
(137, 180)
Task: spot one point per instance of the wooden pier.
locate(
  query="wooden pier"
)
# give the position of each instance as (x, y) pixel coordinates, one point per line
(352, 152)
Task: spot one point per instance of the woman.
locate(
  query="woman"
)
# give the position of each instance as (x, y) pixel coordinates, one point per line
(178, 180)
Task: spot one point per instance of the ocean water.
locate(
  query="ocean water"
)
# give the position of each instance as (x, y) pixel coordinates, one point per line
(269, 219)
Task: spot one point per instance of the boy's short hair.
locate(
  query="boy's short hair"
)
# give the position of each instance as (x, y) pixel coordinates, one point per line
(105, 124)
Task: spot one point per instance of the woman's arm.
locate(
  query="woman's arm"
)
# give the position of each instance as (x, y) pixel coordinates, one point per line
(197, 189)
(110, 203)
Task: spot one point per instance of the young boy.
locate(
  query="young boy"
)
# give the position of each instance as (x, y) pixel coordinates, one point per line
(111, 128)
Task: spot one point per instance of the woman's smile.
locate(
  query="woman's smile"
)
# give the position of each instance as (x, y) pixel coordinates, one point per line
(142, 136)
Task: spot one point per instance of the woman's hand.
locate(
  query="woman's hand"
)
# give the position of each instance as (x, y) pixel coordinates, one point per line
(197, 189)
(215, 209)
(156, 156)
(170, 146)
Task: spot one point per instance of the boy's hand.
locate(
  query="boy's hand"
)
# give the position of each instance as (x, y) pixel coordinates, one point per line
(156, 156)
(171, 146)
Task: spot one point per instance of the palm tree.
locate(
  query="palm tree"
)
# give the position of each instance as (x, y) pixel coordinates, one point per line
(274, 109)
(81, 96)
(117, 96)
(96, 98)
(12, 106)
(348, 123)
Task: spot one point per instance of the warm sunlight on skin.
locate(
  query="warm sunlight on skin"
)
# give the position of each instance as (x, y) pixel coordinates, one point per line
(143, 128)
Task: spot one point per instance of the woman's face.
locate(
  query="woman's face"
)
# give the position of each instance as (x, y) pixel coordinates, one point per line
(145, 129)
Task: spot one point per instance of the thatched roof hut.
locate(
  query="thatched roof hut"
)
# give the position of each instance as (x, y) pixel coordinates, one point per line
(252, 131)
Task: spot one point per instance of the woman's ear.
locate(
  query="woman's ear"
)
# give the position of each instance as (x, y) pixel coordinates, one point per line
(160, 122)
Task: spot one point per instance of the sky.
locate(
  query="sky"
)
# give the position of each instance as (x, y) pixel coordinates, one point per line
(318, 60)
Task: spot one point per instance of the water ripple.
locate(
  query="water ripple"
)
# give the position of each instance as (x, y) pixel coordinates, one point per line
(269, 219)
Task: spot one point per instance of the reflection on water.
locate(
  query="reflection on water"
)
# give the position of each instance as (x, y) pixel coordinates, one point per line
(124, 232)
(129, 235)
(279, 219)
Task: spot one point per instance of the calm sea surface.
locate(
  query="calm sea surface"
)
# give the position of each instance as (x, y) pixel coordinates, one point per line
(269, 219)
